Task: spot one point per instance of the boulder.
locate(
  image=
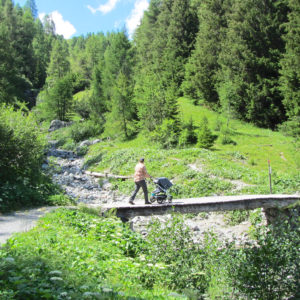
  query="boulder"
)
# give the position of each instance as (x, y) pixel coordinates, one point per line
(57, 124)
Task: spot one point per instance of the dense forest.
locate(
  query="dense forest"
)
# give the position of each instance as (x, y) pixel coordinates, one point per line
(237, 57)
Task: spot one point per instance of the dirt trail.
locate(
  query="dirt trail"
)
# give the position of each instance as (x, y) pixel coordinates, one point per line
(20, 221)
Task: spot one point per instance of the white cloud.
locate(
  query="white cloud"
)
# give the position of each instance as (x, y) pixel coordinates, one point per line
(133, 21)
(104, 8)
(62, 27)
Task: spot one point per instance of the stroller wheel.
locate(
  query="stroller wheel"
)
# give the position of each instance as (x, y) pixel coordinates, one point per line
(152, 199)
(170, 198)
(160, 201)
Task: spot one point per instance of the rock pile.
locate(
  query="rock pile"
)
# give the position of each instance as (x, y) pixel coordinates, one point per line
(68, 171)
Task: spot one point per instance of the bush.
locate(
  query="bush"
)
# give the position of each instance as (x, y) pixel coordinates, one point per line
(291, 127)
(227, 140)
(171, 243)
(270, 269)
(21, 155)
(85, 130)
(235, 217)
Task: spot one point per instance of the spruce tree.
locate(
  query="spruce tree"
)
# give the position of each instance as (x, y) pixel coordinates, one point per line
(41, 51)
(290, 64)
(59, 64)
(117, 85)
(171, 26)
(30, 4)
(249, 59)
(201, 70)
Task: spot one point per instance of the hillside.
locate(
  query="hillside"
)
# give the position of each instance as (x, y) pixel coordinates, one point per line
(225, 169)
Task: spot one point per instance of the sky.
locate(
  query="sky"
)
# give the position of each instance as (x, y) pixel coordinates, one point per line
(80, 17)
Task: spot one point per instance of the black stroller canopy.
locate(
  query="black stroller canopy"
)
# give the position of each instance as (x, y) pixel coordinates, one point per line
(164, 182)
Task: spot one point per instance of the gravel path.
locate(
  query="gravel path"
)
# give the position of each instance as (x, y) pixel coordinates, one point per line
(20, 221)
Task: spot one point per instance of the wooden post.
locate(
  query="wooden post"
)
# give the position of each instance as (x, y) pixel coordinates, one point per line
(270, 176)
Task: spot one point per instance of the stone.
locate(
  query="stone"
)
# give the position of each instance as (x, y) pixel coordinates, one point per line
(57, 124)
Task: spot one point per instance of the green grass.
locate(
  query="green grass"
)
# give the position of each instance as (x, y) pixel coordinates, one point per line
(247, 161)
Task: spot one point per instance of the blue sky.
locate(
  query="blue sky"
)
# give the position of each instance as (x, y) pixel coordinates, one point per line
(79, 17)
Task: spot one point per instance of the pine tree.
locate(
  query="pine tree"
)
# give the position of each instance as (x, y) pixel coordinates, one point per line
(290, 64)
(59, 64)
(41, 51)
(15, 57)
(249, 59)
(119, 122)
(200, 71)
(117, 58)
(163, 43)
(117, 85)
(32, 6)
(58, 100)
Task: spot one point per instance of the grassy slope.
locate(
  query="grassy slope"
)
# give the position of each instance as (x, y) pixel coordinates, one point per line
(247, 161)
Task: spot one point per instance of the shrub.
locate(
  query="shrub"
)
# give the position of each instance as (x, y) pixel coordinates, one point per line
(235, 217)
(270, 269)
(21, 155)
(291, 127)
(227, 140)
(172, 243)
(85, 130)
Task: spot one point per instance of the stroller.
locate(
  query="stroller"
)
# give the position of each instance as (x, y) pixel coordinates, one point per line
(160, 194)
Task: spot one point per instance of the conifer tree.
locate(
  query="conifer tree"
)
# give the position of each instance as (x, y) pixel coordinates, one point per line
(117, 58)
(59, 64)
(15, 56)
(290, 72)
(32, 6)
(205, 136)
(117, 85)
(249, 60)
(41, 51)
(171, 26)
(202, 67)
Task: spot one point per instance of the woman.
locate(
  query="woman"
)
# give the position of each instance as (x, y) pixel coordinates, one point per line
(139, 179)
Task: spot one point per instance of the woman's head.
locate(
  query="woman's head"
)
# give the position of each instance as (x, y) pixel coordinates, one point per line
(141, 160)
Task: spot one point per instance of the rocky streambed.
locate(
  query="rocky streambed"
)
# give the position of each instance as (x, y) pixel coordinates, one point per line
(69, 172)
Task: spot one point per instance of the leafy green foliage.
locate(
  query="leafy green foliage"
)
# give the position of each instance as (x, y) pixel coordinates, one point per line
(269, 270)
(79, 256)
(57, 103)
(21, 156)
(83, 131)
(236, 216)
